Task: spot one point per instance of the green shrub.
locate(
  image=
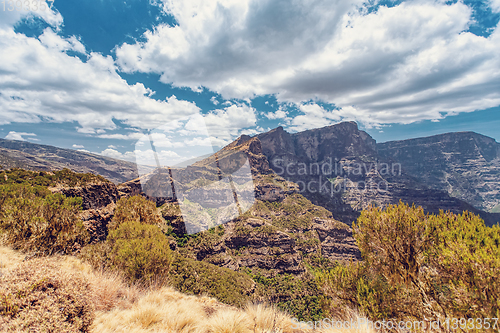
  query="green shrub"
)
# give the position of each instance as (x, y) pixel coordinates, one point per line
(354, 286)
(420, 266)
(33, 219)
(135, 245)
(43, 178)
(198, 277)
(135, 208)
(141, 251)
(298, 296)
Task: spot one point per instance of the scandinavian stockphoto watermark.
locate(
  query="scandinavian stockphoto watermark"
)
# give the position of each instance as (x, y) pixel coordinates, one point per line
(177, 162)
(422, 325)
(26, 5)
(332, 176)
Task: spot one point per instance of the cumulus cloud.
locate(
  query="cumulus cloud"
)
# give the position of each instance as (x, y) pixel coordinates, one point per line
(78, 146)
(19, 136)
(143, 157)
(280, 114)
(401, 64)
(495, 5)
(214, 100)
(40, 82)
(36, 9)
(313, 116)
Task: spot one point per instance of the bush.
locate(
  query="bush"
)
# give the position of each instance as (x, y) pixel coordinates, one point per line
(354, 286)
(198, 277)
(37, 296)
(141, 251)
(135, 208)
(135, 244)
(420, 266)
(33, 219)
(43, 178)
(300, 297)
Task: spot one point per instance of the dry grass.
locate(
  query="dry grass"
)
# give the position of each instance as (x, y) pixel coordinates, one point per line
(108, 289)
(36, 296)
(9, 258)
(102, 302)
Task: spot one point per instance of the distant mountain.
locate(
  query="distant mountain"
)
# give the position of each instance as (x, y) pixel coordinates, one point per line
(338, 167)
(33, 156)
(465, 164)
(341, 168)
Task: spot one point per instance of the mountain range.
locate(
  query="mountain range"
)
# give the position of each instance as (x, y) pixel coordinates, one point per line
(339, 167)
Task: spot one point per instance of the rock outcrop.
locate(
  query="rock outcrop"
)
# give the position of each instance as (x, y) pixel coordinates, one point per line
(98, 204)
(259, 245)
(94, 196)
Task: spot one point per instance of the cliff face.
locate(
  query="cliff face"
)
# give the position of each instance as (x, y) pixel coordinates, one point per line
(275, 238)
(278, 232)
(304, 184)
(466, 165)
(342, 169)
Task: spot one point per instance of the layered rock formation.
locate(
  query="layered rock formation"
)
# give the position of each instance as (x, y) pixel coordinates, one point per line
(340, 168)
(465, 164)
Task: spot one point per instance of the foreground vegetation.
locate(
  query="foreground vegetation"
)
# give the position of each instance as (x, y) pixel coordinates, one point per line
(64, 294)
(419, 266)
(415, 267)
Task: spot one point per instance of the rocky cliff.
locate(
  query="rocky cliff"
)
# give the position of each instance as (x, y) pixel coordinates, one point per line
(277, 234)
(341, 168)
(465, 164)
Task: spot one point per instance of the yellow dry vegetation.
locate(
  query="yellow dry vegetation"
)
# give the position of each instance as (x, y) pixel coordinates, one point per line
(111, 305)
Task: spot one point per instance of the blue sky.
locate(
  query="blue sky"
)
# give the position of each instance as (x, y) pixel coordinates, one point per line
(98, 75)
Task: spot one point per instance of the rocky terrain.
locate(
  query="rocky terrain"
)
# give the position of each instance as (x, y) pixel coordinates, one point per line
(275, 235)
(301, 186)
(279, 233)
(32, 156)
(465, 164)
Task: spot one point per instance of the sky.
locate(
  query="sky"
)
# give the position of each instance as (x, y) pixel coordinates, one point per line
(99, 75)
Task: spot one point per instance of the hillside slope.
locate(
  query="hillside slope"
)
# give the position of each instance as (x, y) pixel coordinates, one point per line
(32, 156)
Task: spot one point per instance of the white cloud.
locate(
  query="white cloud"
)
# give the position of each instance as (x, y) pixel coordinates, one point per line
(143, 157)
(231, 117)
(280, 114)
(118, 136)
(161, 140)
(18, 136)
(199, 142)
(52, 41)
(36, 9)
(495, 5)
(225, 125)
(40, 82)
(400, 64)
(78, 146)
(214, 100)
(113, 153)
(314, 116)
